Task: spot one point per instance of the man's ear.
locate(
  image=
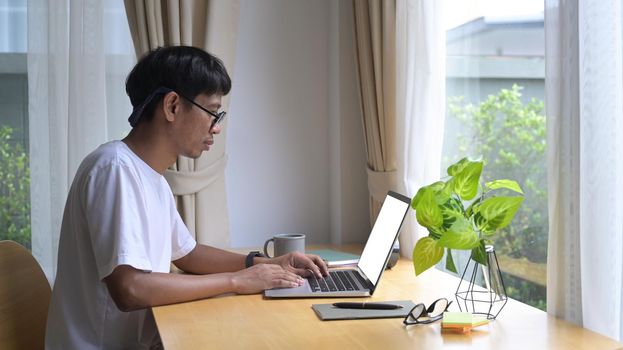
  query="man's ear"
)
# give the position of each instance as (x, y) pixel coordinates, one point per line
(171, 105)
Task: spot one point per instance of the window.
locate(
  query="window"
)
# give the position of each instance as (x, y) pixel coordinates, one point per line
(14, 167)
(15, 205)
(495, 109)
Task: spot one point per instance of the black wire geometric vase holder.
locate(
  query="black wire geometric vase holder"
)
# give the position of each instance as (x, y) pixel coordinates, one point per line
(481, 289)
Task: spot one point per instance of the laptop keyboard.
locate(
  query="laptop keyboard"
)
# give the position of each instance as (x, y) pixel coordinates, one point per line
(340, 280)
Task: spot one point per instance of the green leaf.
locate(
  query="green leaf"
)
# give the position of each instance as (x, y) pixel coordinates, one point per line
(426, 254)
(449, 261)
(427, 211)
(507, 184)
(418, 196)
(465, 183)
(434, 233)
(479, 254)
(497, 212)
(450, 210)
(458, 166)
(473, 208)
(461, 235)
(481, 223)
(438, 188)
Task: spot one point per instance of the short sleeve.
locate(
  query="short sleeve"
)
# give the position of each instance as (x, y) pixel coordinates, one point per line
(182, 241)
(116, 218)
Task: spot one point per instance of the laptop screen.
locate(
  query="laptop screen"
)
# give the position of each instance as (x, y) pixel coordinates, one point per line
(382, 237)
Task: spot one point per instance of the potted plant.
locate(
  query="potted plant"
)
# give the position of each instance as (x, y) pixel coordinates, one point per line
(462, 213)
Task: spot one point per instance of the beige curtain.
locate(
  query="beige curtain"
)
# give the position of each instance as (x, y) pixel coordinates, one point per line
(198, 184)
(375, 37)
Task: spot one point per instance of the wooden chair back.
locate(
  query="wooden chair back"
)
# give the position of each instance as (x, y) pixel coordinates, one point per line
(24, 298)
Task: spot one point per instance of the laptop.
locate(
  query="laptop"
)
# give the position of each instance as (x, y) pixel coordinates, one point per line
(364, 279)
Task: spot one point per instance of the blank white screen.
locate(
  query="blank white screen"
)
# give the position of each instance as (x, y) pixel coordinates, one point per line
(382, 237)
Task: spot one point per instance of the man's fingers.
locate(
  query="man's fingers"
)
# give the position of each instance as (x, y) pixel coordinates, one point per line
(288, 279)
(285, 284)
(276, 276)
(324, 270)
(314, 263)
(265, 276)
(282, 274)
(313, 268)
(303, 272)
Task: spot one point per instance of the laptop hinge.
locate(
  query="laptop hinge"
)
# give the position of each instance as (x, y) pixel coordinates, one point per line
(368, 284)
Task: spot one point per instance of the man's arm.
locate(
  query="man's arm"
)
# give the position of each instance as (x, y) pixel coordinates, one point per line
(205, 259)
(133, 289)
(217, 272)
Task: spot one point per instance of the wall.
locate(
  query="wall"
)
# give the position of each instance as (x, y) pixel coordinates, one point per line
(294, 138)
(350, 220)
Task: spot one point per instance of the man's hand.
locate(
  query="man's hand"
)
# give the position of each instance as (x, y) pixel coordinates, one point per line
(260, 277)
(302, 264)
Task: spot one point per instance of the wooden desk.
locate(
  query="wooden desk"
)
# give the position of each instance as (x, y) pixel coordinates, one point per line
(251, 322)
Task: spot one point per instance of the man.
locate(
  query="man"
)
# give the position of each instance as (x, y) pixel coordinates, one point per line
(121, 230)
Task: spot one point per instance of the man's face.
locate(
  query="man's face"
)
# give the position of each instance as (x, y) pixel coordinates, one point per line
(195, 133)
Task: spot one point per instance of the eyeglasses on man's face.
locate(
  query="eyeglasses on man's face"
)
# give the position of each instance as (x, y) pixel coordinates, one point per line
(218, 117)
(421, 314)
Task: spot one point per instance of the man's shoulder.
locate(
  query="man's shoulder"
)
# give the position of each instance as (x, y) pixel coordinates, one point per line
(113, 153)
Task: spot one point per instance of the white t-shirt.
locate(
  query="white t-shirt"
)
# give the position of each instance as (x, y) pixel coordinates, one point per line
(119, 211)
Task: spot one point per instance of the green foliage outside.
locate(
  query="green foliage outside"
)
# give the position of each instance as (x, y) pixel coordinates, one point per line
(510, 136)
(14, 190)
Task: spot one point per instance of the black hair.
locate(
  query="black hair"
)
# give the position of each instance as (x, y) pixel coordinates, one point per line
(187, 70)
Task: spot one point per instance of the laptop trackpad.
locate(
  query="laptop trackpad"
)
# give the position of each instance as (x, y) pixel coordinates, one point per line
(305, 289)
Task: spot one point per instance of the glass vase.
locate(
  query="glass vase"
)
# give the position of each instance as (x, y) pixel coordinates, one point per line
(481, 289)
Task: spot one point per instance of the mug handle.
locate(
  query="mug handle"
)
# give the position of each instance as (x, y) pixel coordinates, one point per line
(266, 247)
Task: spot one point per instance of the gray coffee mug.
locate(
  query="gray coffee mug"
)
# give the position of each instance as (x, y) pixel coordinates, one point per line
(285, 243)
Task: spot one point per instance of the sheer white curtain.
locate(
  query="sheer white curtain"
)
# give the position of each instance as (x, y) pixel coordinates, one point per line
(420, 72)
(584, 83)
(78, 54)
